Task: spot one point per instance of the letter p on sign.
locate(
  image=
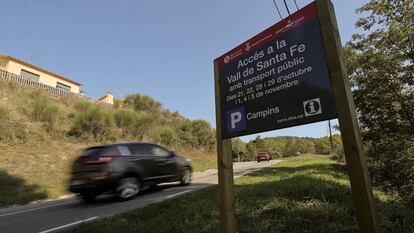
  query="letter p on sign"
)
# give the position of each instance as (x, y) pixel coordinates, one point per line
(236, 120)
(235, 117)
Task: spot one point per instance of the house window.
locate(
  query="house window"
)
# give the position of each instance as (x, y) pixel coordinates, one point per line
(62, 86)
(29, 75)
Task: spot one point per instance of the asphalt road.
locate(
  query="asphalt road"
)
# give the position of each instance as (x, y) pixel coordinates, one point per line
(55, 216)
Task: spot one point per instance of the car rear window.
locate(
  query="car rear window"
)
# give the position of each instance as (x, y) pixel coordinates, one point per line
(93, 151)
(124, 151)
(140, 149)
(101, 151)
(262, 153)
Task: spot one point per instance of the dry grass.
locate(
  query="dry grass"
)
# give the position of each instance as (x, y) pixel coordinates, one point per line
(201, 159)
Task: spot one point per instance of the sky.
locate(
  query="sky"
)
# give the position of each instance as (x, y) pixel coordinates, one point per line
(161, 48)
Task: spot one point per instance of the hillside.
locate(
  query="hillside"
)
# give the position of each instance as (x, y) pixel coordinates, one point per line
(40, 136)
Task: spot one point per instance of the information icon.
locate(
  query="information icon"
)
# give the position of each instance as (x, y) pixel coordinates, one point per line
(312, 107)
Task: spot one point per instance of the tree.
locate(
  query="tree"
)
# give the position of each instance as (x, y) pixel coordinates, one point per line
(143, 124)
(143, 103)
(322, 146)
(239, 150)
(203, 134)
(274, 147)
(251, 151)
(380, 63)
(260, 144)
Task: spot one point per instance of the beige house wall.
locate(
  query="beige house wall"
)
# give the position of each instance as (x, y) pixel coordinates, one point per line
(45, 78)
(108, 98)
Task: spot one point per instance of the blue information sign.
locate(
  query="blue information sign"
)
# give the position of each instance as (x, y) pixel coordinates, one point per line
(277, 79)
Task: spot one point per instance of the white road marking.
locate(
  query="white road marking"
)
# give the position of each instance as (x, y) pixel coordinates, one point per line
(178, 194)
(70, 224)
(39, 208)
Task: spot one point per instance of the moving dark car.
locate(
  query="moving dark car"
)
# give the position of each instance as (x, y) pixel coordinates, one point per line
(125, 168)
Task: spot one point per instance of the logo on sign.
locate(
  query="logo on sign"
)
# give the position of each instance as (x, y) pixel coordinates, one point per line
(236, 120)
(248, 46)
(226, 59)
(289, 23)
(312, 107)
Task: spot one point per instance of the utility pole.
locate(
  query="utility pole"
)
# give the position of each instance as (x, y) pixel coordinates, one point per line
(330, 134)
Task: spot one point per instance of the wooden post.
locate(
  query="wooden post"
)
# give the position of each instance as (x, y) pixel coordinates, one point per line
(358, 173)
(227, 205)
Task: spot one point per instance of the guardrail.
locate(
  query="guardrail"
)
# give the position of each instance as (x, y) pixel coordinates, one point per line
(5, 75)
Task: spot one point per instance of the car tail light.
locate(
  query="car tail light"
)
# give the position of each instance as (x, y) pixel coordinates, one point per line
(101, 160)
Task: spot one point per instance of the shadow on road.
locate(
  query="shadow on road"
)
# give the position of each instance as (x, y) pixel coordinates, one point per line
(146, 192)
(15, 190)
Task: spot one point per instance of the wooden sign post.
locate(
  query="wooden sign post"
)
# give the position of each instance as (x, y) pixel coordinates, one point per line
(355, 160)
(227, 204)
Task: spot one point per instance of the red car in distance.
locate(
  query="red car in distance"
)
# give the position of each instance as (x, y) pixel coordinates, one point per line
(261, 156)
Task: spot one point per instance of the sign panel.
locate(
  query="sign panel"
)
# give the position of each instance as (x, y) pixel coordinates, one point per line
(277, 79)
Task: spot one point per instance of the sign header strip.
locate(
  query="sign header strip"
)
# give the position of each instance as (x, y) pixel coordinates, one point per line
(293, 21)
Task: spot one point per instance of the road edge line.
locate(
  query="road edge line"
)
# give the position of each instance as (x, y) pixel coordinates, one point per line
(69, 225)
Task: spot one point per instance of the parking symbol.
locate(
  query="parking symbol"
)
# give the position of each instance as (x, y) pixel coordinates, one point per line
(236, 120)
(312, 107)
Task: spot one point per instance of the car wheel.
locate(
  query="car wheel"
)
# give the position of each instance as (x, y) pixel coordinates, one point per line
(258, 160)
(127, 188)
(185, 177)
(88, 197)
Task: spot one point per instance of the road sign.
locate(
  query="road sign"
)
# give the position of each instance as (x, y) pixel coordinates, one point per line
(277, 79)
(286, 76)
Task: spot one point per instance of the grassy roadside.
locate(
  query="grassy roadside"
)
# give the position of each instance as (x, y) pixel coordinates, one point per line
(302, 194)
(35, 173)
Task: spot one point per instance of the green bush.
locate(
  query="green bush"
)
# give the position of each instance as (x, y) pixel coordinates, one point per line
(142, 103)
(391, 161)
(203, 134)
(338, 155)
(125, 118)
(183, 128)
(94, 123)
(322, 146)
(168, 136)
(165, 135)
(145, 121)
(83, 106)
(44, 110)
